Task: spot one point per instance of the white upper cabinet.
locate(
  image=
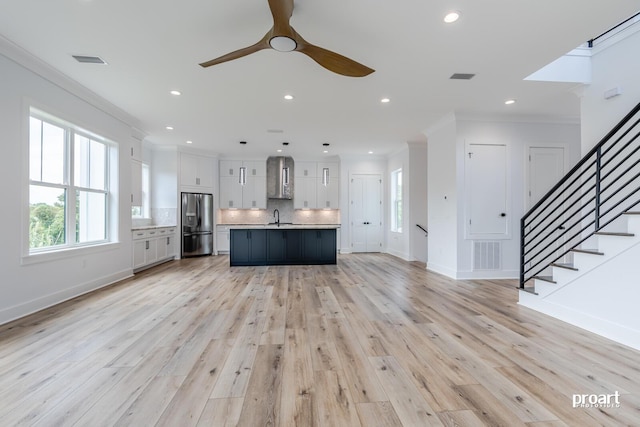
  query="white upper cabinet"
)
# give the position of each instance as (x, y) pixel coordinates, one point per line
(136, 183)
(328, 184)
(243, 184)
(305, 169)
(305, 192)
(230, 167)
(196, 171)
(136, 149)
(317, 185)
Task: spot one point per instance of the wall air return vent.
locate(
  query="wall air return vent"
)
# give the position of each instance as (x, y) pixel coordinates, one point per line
(89, 59)
(487, 255)
(461, 76)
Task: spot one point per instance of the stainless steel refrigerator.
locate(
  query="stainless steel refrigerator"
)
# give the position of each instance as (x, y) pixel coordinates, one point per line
(197, 224)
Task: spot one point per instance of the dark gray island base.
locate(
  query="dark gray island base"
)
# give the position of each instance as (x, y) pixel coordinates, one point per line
(282, 246)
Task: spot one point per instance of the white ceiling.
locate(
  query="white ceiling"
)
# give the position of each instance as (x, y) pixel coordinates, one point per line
(154, 46)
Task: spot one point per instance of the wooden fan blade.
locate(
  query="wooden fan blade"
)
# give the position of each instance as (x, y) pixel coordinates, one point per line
(262, 44)
(281, 10)
(334, 62)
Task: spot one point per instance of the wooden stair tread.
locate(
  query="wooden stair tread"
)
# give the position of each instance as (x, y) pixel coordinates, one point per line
(632, 213)
(567, 266)
(545, 278)
(607, 233)
(587, 251)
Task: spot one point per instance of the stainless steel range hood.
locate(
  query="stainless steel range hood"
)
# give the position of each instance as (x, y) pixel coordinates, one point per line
(280, 178)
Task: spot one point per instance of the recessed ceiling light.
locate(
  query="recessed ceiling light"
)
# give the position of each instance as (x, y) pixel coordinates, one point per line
(288, 97)
(189, 142)
(452, 16)
(325, 151)
(510, 101)
(279, 150)
(175, 92)
(370, 152)
(169, 127)
(385, 100)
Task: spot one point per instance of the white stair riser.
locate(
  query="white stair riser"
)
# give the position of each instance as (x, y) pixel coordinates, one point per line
(543, 288)
(633, 224)
(564, 275)
(619, 225)
(586, 262)
(613, 245)
(527, 297)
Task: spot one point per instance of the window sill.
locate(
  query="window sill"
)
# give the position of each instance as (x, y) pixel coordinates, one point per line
(54, 255)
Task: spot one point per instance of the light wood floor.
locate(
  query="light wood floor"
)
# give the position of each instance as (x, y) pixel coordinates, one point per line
(373, 341)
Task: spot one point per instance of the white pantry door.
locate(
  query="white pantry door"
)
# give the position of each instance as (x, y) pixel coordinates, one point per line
(365, 212)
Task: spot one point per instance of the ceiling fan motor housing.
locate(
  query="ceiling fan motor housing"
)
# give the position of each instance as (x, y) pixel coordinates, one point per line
(283, 43)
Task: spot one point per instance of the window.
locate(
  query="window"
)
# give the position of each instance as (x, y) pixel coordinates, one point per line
(68, 185)
(396, 201)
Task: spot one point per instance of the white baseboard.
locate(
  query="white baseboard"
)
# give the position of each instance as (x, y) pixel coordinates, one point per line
(445, 271)
(397, 254)
(605, 328)
(18, 311)
(488, 274)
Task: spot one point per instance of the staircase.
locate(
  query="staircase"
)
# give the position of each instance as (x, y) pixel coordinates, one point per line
(580, 244)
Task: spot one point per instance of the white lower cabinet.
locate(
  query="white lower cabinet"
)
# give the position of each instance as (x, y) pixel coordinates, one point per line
(151, 246)
(222, 239)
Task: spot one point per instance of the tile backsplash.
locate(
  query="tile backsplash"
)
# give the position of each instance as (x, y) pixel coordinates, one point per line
(164, 216)
(287, 214)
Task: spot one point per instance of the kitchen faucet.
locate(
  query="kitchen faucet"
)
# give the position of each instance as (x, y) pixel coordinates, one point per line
(277, 217)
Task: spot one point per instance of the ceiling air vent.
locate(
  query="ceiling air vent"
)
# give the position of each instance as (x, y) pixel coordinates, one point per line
(89, 59)
(461, 76)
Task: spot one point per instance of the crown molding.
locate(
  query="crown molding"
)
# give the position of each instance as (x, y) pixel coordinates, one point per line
(25, 59)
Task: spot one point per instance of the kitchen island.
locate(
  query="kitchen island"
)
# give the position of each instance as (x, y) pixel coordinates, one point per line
(283, 244)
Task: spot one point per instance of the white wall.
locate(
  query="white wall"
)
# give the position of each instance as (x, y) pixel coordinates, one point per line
(28, 287)
(398, 244)
(517, 136)
(417, 197)
(442, 198)
(411, 243)
(615, 63)
(450, 253)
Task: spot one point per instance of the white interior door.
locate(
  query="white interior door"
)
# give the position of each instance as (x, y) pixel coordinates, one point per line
(365, 213)
(487, 191)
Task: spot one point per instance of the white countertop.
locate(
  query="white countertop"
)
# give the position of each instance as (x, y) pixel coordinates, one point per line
(282, 226)
(151, 227)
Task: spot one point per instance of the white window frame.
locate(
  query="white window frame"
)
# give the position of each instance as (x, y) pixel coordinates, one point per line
(110, 170)
(396, 201)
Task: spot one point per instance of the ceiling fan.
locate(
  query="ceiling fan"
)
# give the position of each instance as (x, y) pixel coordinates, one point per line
(282, 37)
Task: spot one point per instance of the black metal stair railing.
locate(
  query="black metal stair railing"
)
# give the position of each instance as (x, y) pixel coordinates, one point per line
(595, 193)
